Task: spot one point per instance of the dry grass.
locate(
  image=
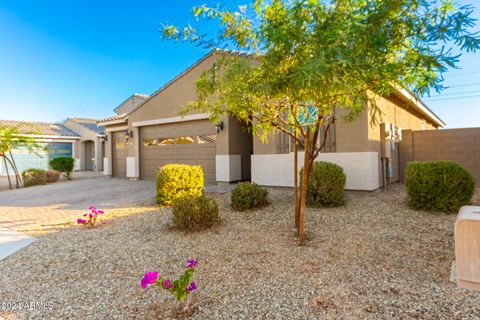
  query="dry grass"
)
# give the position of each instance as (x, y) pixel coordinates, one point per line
(374, 258)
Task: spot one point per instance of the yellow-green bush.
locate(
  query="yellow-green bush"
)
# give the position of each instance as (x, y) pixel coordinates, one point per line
(177, 181)
(442, 186)
(34, 177)
(195, 212)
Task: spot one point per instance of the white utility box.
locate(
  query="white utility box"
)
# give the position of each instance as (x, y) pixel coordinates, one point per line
(467, 247)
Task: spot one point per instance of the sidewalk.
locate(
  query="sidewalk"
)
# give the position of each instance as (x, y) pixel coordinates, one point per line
(11, 241)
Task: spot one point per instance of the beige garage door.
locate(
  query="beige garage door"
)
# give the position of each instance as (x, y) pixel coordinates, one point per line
(119, 154)
(192, 143)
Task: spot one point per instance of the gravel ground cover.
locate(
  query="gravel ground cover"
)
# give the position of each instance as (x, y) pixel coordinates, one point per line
(371, 259)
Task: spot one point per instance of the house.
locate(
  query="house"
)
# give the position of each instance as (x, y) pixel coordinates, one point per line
(78, 138)
(152, 134)
(91, 145)
(53, 139)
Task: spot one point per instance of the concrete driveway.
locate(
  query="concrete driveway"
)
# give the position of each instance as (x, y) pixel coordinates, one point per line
(20, 208)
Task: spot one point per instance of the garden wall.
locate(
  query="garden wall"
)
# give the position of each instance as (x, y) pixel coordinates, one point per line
(459, 145)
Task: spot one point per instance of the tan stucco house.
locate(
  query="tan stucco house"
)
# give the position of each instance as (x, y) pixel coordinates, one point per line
(147, 132)
(78, 138)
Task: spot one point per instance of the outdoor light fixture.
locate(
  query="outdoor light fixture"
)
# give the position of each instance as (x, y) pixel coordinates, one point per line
(103, 137)
(219, 126)
(128, 134)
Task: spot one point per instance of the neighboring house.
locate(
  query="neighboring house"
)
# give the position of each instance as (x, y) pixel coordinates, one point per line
(149, 135)
(91, 145)
(78, 138)
(53, 139)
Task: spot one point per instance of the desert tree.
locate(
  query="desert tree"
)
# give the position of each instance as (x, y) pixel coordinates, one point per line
(11, 139)
(289, 65)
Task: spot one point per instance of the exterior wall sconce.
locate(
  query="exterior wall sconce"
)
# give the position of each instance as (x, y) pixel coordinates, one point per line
(219, 126)
(128, 134)
(103, 137)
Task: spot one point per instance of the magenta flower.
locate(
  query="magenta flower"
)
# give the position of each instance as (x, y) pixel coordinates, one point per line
(81, 221)
(100, 211)
(168, 284)
(192, 263)
(149, 278)
(192, 286)
(91, 208)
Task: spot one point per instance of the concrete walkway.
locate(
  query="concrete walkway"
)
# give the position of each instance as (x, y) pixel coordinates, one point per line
(11, 241)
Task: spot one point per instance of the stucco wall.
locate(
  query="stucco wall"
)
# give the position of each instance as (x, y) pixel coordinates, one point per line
(401, 114)
(361, 168)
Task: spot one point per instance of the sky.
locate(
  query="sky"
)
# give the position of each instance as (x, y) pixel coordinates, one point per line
(83, 58)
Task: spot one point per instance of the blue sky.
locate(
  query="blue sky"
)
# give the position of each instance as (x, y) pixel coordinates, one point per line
(83, 58)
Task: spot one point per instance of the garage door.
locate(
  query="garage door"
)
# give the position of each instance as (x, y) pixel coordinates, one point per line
(192, 143)
(119, 154)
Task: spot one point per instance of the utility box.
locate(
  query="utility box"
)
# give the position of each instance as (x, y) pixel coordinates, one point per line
(467, 247)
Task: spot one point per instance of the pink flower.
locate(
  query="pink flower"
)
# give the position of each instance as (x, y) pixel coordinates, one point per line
(168, 284)
(192, 286)
(90, 215)
(192, 263)
(149, 278)
(100, 211)
(91, 208)
(81, 221)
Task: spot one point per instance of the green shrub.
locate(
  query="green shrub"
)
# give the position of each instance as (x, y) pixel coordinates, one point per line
(34, 177)
(53, 176)
(63, 165)
(438, 186)
(326, 186)
(248, 195)
(195, 212)
(179, 180)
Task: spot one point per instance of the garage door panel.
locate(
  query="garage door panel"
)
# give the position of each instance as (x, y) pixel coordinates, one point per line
(152, 156)
(119, 154)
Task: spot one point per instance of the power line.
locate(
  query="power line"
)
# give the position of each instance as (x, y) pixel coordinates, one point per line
(463, 74)
(464, 85)
(454, 98)
(452, 94)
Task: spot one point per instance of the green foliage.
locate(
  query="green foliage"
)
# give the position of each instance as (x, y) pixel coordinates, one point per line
(326, 186)
(248, 195)
(195, 212)
(179, 180)
(34, 177)
(53, 176)
(438, 186)
(326, 53)
(63, 165)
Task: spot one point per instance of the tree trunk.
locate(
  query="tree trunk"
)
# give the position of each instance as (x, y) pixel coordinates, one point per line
(295, 180)
(303, 190)
(18, 179)
(6, 170)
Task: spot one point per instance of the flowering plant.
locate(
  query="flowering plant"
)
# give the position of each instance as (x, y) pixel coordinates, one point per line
(90, 218)
(180, 288)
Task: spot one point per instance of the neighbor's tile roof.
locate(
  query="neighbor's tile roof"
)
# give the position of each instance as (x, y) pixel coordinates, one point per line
(38, 128)
(90, 124)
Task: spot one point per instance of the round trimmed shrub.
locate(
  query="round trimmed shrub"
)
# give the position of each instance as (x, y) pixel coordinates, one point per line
(195, 212)
(63, 165)
(53, 176)
(326, 186)
(178, 181)
(441, 186)
(34, 177)
(247, 195)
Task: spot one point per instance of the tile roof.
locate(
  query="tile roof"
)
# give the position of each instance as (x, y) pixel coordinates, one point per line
(90, 124)
(38, 128)
(123, 116)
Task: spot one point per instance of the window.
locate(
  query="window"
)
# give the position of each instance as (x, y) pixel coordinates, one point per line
(165, 141)
(184, 140)
(149, 142)
(119, 144)
(210, 138)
